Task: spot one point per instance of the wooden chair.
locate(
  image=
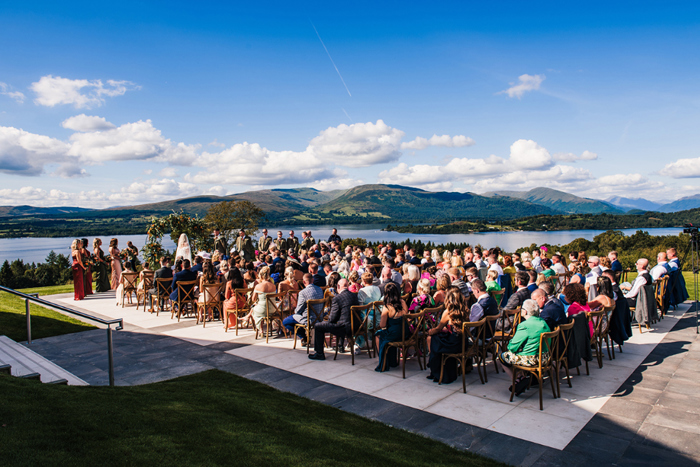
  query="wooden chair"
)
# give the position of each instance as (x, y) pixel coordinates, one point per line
(560, 281)
(373, 322)
(242, 298)
(408, 297)
(162, 295)
(605, 331)
(211, 299)
(316, 309)
(512, 318)
(545, 363)
(142, 292)
(185, 298)
(660, 288)
(472, 334)
(359, 320)
(431, 315)
(489, 344)
(129, 285)
(406, 342)
(273, 312)
(562, 357)
(596, 317)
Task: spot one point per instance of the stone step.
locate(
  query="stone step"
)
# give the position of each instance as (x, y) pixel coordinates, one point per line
(24, 362)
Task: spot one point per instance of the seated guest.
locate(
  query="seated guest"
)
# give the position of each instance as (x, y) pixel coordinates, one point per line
(446, 337)
(494, 266)
(536, 260)
(317, 279)
(577, 298)
(300, 316)
(471, 274)
(661, 268)
(508, 266)
(485, 304)
(185, 275)
(456, 280)
(604, 264)
(547, 270)
(355, 284)
(594, 273)
(391, 324)
(232, 302)
(673, 261)
(338, 323)
(643, 278)
(441, 284)
(518, 263)
(331, 284)
(558, 265)
(369, 292)
(520, 295)
(413, 278)
(163, 273)
(552, 309)
(524, 347)
(198, 260)
(492, 285)
(605, 297)
(578, 277)
(532, 278)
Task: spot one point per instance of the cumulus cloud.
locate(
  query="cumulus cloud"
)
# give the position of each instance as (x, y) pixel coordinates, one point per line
(682, 168)
(358, 145)
(217, 144)
(71, 170)
(571, 157)
(444, 141)
(6, 90)
(24, 153)
(81, 93)
(86, 123)
(525, 84)
(338, 183)
(168, 172)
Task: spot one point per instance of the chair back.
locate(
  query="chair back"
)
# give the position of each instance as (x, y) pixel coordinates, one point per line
(490, 326)
(242, 296)
(549, 342)
(129, 280)
(378, 307)
(185, 291)
(418, 322)
(560, 281)
(596, 317)
(315, 309)
(564, 339)
(211, 294)
(164, 287)
(473, 331)
(274, 303)
(660, 287)
(148, 279)
(359, 319)
(433, 315)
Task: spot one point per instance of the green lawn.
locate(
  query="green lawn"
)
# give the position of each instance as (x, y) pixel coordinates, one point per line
(45, 322)
(210, 418)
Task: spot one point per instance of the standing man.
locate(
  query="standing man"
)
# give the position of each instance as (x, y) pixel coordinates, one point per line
(280, 242)
(264, 242)
(244, 246)
(310, 237)
(305, 241)
(292, 242)
(220, 244)
(335, 237)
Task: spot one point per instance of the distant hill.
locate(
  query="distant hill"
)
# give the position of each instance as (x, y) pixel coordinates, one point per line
(564, 203)
(628, 204)
(16, 211)
(689, 202)
(405, 203)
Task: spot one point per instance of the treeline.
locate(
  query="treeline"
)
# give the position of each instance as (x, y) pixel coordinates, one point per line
(18, 275)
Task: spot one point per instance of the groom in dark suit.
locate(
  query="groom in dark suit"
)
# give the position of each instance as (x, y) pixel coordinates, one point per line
(185, 275)
(338, 323)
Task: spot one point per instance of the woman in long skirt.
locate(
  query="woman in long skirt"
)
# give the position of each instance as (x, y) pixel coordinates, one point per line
(116, 263)
(78, 270)
(102, 271)
(87, 280)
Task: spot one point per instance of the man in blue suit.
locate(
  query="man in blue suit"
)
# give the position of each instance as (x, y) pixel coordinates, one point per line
(185, 275)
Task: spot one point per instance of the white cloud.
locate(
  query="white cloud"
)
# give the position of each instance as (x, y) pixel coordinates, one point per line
(571, 157)
(526, 83)
(217, 144)
(131, 141)
(169, 172)
(71, 170)
(358, 145)
(6, 90)
(24, 153)
(402, 174)
(86, 123)
(444, 141)
(335, 184)
(81, 93)
(682, 168)
(526, 154)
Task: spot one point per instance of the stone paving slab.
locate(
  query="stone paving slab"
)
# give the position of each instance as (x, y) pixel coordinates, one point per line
(632, 423)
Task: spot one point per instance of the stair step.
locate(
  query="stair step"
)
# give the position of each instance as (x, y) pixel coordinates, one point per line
(24, 361)
(63, 382)
(6, 369)
(35, 376)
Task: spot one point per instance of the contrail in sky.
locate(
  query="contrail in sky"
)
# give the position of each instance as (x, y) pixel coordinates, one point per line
(346, 114)
(329, 56)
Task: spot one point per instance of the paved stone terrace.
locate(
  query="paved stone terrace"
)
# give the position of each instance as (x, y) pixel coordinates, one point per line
(641, 408)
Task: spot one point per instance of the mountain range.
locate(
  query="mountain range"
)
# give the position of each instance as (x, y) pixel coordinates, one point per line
(379, 203)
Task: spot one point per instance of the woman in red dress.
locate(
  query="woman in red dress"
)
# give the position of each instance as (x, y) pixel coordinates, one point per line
(86, 257)
(78, 269)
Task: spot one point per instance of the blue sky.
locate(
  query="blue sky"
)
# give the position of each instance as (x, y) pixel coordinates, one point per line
(135, 103)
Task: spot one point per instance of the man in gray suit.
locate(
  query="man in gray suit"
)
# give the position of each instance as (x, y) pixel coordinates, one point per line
(300, 316)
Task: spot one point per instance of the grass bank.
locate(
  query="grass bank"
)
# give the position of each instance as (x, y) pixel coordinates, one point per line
(210, 418)
(45, 322)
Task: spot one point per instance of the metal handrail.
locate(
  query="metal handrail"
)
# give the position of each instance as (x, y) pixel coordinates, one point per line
(35, 298)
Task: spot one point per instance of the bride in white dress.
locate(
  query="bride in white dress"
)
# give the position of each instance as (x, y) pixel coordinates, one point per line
(183, 248)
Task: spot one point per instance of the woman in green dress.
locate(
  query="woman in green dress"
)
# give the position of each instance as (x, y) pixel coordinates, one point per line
(102, 283)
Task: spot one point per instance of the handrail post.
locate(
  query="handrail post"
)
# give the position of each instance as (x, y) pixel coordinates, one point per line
(110, 355)
(29, 321)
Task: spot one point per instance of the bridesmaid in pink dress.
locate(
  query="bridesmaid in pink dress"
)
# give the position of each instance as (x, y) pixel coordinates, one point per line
(78, 270)
(116, 264)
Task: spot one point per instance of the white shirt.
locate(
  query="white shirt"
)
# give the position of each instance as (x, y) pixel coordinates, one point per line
(496, 267)
(674, 263)
(592, 277)
(536, 264)
(658, 271)
(559, 268)
(639, 282)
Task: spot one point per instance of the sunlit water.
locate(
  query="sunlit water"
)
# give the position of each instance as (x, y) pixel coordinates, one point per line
(36, 249)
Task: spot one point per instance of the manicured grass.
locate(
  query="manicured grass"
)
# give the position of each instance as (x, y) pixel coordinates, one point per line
(209, 418)
(45, 322)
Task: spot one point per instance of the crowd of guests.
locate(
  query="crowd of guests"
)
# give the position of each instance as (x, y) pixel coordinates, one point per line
(107, 269)
(470, 284)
